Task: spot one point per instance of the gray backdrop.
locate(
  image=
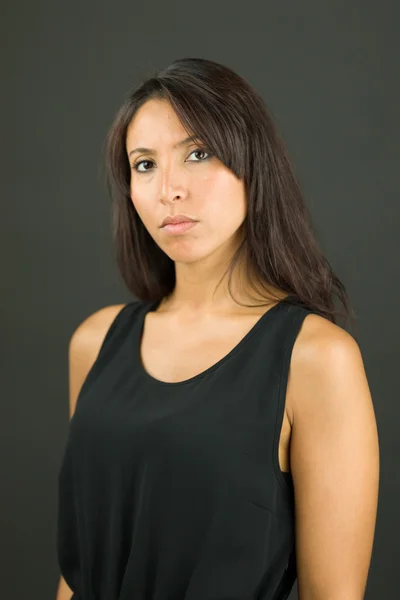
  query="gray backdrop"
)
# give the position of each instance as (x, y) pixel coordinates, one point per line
(328, 72)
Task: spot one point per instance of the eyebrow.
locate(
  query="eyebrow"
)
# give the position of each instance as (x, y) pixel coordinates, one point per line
(191, 138)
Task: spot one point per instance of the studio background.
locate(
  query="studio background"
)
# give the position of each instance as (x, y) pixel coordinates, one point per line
(328, 72)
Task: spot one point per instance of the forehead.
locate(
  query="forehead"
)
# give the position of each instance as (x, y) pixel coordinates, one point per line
(155, 120)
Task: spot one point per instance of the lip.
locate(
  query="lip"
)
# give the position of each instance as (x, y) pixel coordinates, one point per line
(177, 219)
(176, 228)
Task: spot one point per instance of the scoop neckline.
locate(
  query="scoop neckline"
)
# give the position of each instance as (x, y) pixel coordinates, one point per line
(150, 306)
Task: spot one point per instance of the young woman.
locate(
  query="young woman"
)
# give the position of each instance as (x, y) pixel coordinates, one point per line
(223, 439)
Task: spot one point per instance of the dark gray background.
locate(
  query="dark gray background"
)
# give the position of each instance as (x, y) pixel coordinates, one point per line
(328, 72)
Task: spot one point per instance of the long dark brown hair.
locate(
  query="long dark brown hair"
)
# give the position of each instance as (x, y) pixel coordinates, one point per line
(279, 247)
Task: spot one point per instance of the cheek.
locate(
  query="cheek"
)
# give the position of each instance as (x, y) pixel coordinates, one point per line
(226, 202)
(141, 204)
(143, 212)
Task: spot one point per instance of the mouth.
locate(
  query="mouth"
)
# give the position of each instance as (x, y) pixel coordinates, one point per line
(173, 219)
(181, 227)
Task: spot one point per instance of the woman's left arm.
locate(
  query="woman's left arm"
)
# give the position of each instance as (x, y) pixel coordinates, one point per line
(334, 457)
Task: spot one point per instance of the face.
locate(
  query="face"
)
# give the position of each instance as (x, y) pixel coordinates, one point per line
(170, 178)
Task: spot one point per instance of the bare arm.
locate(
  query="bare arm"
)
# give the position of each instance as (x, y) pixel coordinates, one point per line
(335, 464)
(63, 591)
(83, 349)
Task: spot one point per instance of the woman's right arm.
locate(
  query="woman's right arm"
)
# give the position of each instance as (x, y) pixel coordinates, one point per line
(83, 349)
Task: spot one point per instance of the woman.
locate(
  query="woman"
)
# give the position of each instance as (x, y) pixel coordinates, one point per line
(195, 468)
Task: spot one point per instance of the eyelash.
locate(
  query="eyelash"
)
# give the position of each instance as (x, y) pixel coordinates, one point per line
(135, 166)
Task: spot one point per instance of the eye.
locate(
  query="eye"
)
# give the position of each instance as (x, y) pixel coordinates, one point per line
(141, 162)
(201, 150)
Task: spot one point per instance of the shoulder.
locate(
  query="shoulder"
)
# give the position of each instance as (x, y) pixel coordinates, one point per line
(84, 347)
(89, 335)
(325, 358)
(317, 334)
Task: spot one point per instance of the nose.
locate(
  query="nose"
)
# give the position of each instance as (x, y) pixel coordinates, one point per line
(173, 185)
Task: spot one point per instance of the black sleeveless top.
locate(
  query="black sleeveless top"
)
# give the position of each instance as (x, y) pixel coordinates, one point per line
(173, 491)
